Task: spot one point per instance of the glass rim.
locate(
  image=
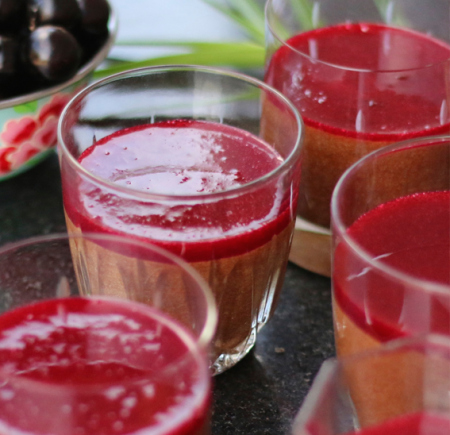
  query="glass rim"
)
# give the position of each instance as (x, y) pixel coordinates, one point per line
(437, 343)
(145, 71)
(207, 333)
(339, 229)
(268, 10)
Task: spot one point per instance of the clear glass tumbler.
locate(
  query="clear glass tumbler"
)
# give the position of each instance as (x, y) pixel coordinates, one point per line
(80, 364)
(363, 74)
(391, 245)
(402, 388)
(202, 162)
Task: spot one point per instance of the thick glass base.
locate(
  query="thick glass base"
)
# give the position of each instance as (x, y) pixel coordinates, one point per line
(228, 360)
(311, 247)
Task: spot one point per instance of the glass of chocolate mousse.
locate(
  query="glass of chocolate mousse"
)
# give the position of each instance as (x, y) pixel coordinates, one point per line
(402, 388)
(362, 74)
(390, 217)
(202, 162)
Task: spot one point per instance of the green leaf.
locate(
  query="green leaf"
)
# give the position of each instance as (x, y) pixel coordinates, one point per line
(239, 55)
(304, 13)
(249, 15)
(390, 16)
(252, 12)
(382, 6)
(30, 107)
(193, 45)
(244, 13)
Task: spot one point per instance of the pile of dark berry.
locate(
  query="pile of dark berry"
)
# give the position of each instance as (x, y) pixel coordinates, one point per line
(45, 42)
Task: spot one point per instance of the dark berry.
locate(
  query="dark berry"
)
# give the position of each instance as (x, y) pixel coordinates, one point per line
(44, 42)
(63, 13)
(11, 69)
(94, 16)
(93, 29)
(9, 55)
(54, 53)
(12, 16)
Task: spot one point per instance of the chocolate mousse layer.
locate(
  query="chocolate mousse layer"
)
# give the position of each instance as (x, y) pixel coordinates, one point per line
(381, 387)
(246, 286)
(326, 156)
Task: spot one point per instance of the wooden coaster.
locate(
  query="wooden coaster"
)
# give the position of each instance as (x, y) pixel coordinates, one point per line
(311, 248)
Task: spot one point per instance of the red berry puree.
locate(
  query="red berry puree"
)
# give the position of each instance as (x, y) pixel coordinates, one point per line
(391, 101)
(98, 366)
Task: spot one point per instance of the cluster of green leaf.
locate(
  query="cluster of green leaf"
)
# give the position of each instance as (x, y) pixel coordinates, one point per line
(247, 14)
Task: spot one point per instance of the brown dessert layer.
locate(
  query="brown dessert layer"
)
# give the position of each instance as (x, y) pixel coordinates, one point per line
(349, 338)
(326, 156)
(246, 287)
(380, 387)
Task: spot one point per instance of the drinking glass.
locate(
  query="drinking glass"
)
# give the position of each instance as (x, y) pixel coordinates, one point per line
(391, 245)
(75, 363)
(363, 74)
(207, 166)
(400, 388)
